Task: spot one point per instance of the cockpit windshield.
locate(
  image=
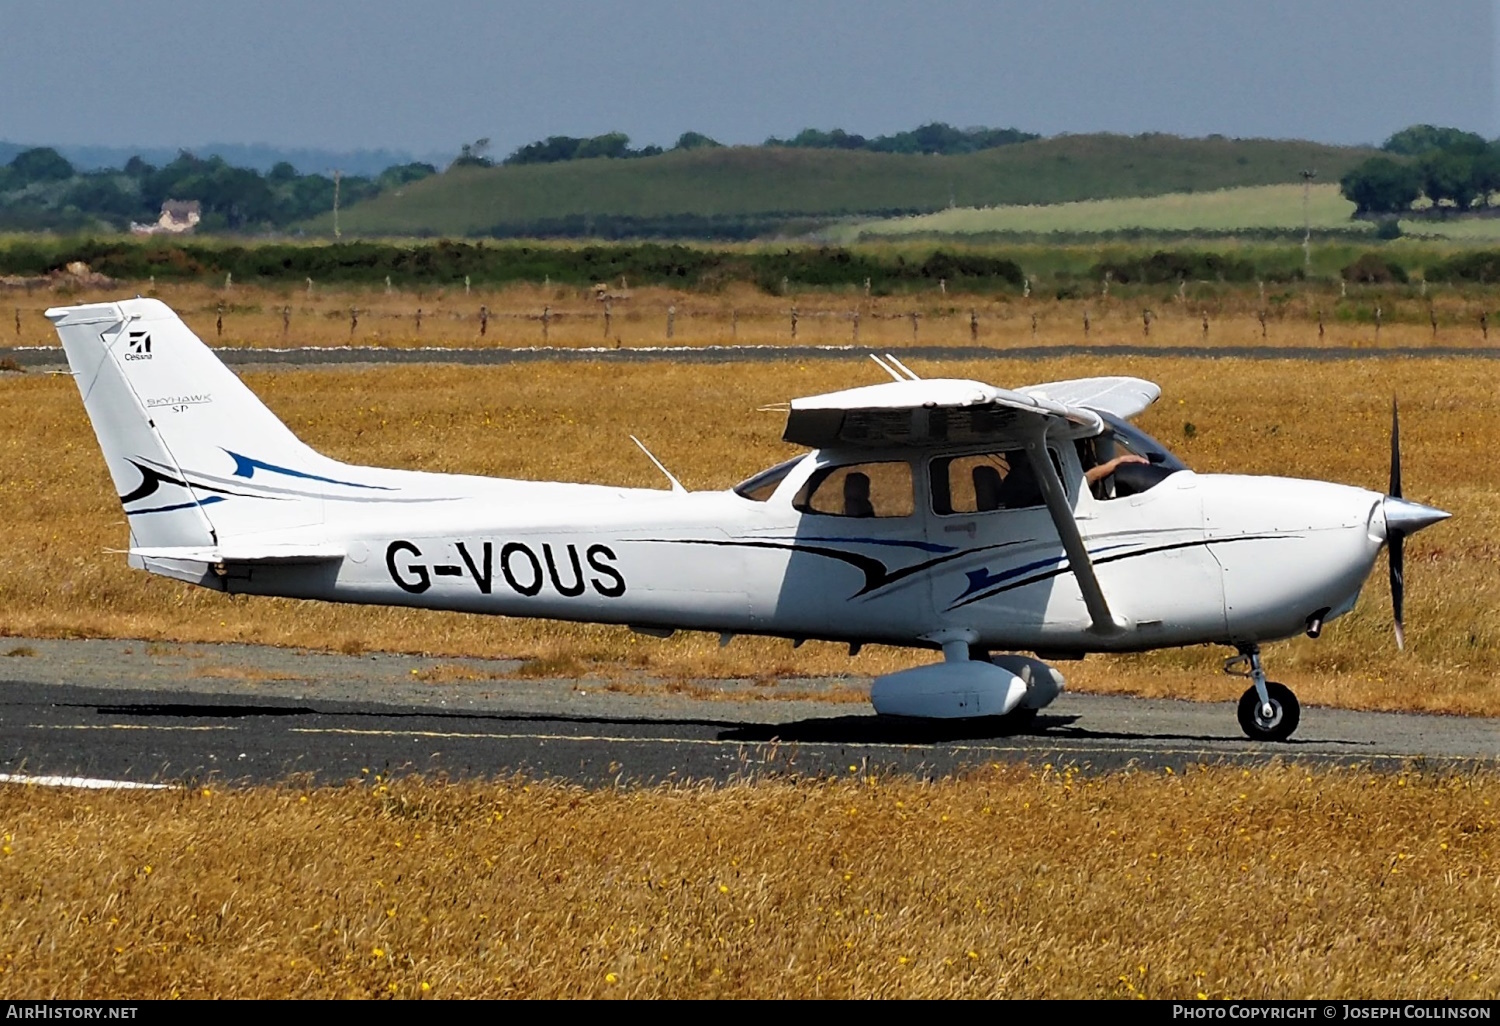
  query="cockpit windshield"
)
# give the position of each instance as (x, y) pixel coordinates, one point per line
(1137, 441)
(763, 485)
(1154, 465)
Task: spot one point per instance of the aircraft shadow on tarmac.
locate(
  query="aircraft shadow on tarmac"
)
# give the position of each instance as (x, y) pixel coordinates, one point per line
(899, 731)
(854, 730)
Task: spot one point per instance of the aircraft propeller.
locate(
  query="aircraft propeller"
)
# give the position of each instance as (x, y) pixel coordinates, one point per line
(1401, 519)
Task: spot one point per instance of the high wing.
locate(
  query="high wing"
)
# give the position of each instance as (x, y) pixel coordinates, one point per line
(1119, 396)
(949, 411)
(928, 413)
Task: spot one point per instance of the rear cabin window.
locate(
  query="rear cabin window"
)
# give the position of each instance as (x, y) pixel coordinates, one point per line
(763, 485)
(860, 490)
(984, 482)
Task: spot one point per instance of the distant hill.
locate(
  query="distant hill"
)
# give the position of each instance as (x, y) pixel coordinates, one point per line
(738, 192)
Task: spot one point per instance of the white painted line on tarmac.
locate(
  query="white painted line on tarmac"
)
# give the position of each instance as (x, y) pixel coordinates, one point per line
(121, 726)
(90, 783)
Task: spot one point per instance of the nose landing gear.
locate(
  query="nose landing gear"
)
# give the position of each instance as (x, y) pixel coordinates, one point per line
(1268, 711)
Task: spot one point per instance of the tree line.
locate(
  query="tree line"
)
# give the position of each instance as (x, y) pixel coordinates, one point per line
(934, 138)
(40, 190)
(1453, 170)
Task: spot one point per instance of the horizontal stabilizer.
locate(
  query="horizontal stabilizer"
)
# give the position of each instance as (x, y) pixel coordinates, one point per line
(274, 553)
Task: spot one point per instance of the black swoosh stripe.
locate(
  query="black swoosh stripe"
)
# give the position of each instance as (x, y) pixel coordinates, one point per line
(1066, 568)
(877, 575)
(152, 479)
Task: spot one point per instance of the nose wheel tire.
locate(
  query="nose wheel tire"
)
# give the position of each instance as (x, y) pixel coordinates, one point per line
(1285, 712)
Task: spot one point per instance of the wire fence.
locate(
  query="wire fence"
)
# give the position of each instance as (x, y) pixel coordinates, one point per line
(394, 320)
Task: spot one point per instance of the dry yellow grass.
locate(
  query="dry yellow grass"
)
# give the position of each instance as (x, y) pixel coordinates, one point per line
(1319, 420)
(739, 314)
(1011, 882)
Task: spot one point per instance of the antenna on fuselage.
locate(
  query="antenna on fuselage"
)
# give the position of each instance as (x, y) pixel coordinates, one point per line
(887, 368)
(903, 368)
(676, 484)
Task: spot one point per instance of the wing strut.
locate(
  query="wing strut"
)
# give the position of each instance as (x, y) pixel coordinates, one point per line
(1067, 529)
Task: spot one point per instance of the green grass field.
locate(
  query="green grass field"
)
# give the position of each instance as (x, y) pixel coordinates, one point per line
(743, 182)
(1223, 210)
(1257, 208)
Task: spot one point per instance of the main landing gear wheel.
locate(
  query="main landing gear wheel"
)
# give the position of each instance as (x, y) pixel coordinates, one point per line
(1284, 713)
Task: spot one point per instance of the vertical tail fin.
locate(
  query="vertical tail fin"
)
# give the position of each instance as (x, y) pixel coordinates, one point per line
(182, 435)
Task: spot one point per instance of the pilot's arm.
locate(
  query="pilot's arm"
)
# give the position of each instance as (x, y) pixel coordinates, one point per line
(1103, 470)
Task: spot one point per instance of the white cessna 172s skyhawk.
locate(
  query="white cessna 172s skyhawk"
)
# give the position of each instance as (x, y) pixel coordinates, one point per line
(944, 514)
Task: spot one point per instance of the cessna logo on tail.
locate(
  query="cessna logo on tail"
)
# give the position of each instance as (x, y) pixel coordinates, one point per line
(140, 345)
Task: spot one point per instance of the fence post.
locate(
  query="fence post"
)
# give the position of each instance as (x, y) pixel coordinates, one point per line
(914, 326)
(219, 323)
(484, 317)
(353, 320)
(671, 317)
(18, 322)
(286, 321)
(1205, 325)
(973, 326)
(1033, 325)
(1484, 325)
(1432, 317)
(856, 327)
(794, 324)
(419, 320)
(608, 309)
(734, 323)
(1320, 324)
(1085, 324)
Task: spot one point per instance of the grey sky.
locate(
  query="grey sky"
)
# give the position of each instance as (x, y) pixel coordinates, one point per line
(426, 77)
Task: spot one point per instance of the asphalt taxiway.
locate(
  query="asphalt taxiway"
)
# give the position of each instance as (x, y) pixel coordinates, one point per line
(240, 714)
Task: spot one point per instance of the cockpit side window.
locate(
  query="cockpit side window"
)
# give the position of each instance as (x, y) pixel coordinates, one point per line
(882, 489)
(763, 485)
(984, 482)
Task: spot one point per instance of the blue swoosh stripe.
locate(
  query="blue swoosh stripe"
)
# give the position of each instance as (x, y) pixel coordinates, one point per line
(246, 466)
